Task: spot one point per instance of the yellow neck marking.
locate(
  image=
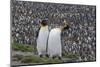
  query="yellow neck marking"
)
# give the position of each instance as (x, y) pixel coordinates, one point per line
(44, 27)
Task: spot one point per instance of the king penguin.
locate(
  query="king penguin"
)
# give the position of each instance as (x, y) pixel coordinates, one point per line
(42, 38)
(54, 41)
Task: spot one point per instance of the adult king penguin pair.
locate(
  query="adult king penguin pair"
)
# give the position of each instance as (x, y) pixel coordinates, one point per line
(49, 43)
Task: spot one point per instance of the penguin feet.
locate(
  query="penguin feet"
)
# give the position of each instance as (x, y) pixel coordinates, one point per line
(59, 58)
(41, 55)
(53, 57)
(47, 55)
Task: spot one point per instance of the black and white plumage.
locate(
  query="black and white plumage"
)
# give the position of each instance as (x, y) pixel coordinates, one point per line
(54, 41)
(42, 38)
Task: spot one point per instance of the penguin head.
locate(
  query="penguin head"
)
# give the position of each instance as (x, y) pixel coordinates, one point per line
(66, 25)
(44, 23)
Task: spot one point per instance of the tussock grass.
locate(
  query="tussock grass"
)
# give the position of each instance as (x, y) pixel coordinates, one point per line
(22, 47)
(37, 59)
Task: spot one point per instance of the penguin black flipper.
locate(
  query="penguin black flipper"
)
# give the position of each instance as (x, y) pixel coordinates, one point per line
(37, 32)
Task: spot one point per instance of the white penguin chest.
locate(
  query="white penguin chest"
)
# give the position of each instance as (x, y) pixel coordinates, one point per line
(54, 42)
(43, 36)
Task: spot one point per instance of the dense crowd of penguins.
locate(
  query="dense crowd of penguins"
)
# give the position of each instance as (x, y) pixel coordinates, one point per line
(80, 38)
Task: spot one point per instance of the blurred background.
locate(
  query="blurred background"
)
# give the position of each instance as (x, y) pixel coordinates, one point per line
(79, 42)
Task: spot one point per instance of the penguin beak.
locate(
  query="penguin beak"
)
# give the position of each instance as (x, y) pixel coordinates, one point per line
(65, 23)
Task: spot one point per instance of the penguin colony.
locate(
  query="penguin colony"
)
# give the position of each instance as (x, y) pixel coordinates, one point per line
(81, 37)
(49, 43)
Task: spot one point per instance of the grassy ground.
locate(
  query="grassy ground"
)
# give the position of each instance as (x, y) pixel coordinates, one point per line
(36, 59)
(26, 54)
(22, 47)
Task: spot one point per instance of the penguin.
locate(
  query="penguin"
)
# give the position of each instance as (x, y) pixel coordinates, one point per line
(42, 38)
(54, 41)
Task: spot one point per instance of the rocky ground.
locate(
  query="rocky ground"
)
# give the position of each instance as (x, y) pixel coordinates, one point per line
(24, 54)
(27, 58)
(79, 39)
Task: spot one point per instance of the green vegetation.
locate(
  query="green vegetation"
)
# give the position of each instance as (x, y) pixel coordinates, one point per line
(22, 47)
(33, 58)
(30, 59)
(71, 55)
(36, 59)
